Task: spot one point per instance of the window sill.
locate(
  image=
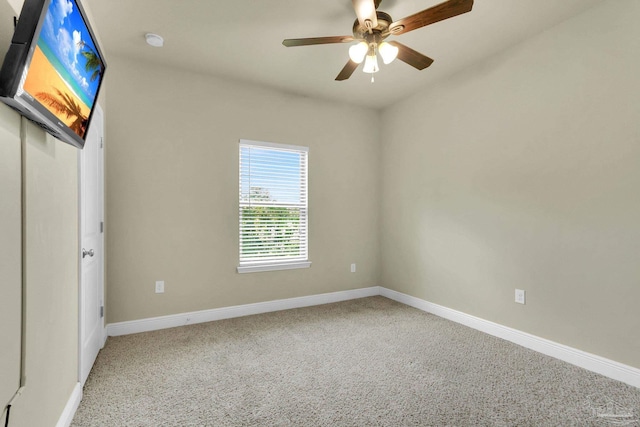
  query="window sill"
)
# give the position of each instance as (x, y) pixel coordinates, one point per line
(273, 267)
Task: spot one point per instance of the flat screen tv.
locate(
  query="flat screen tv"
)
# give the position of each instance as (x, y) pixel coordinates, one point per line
(54, 68)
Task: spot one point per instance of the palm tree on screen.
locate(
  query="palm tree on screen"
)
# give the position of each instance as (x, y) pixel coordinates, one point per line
(66, 105)
(93, 61)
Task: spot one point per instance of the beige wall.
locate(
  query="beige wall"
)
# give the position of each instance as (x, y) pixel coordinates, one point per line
(10, 255)
(50, 263)
(51, 278)
(172, 191)
(16, 5)
(523, 172)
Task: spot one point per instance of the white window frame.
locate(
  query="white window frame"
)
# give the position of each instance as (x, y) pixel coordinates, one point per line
(285, 263)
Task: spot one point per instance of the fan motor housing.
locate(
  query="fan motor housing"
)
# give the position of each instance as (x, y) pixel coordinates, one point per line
(360, 32)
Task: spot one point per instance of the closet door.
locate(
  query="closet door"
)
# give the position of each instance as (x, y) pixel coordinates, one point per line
(92, 245)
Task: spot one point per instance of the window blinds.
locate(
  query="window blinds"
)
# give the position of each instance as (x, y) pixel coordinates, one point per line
(273, 203)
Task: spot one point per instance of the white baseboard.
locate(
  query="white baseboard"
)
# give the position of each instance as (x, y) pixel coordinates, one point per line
(163, 322)
(71, 407)
(591, 362)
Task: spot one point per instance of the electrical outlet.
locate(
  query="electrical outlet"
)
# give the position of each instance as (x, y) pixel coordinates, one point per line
(160, 287)
(520, 296)
(353, 268)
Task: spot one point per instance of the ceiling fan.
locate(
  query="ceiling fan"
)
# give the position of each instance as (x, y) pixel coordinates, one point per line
(372, 28)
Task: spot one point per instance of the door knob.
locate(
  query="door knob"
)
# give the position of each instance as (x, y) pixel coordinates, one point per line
(87, 252)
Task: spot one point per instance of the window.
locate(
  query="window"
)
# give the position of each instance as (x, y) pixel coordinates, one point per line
(273, 207)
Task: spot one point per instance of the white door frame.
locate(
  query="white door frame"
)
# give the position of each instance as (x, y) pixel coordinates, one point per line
(99, 252)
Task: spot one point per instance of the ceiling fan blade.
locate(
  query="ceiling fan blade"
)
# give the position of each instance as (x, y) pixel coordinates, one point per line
(437, 13)
(347, 70)
(366, 11)
(317, 40)
(412, 57)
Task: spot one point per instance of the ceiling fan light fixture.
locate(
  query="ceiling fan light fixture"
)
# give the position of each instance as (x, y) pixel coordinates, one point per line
(388, 52)
(371, 64)
(357, 52)
(373, 26)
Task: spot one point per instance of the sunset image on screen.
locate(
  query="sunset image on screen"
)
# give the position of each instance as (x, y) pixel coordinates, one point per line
(65, 70)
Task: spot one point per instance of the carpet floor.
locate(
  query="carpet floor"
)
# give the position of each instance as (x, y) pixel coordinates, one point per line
(365, 362)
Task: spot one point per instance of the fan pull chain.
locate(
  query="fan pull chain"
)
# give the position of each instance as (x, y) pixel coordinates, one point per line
(372, 78)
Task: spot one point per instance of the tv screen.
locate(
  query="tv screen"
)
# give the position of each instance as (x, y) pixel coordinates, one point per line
(54, 68)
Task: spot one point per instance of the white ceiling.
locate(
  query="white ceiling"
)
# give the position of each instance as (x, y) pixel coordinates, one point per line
(242, 40)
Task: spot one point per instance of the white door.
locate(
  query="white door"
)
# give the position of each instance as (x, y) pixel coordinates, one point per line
(91, 246)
